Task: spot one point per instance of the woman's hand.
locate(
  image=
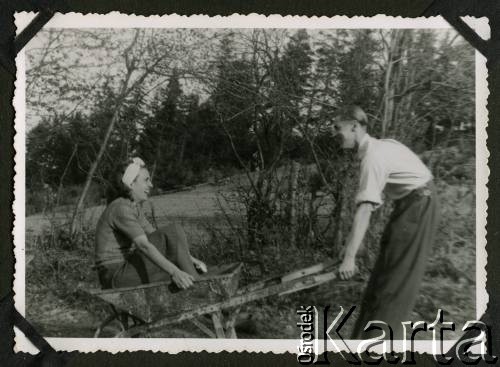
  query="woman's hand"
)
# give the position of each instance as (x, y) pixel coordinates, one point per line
(199, 265)
(182, 279)
(347, 269)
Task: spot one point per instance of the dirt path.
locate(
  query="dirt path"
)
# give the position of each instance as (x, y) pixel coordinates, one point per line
(198, 203)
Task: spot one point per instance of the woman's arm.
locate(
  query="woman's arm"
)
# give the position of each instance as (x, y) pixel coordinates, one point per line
(181, 278)
(358, 230)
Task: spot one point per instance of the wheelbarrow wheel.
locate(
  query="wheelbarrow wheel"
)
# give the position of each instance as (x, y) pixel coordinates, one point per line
(116, 324)
(110, 327)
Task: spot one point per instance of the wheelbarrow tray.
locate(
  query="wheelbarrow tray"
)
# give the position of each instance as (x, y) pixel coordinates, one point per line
(149, 302)
(295, 281)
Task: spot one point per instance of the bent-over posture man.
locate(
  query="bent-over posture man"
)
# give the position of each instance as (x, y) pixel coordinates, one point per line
(390, 167)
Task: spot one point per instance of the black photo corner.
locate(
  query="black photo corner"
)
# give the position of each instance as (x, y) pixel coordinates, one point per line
(451, 10)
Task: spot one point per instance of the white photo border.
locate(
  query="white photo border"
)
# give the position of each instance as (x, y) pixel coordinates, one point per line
(176, 345)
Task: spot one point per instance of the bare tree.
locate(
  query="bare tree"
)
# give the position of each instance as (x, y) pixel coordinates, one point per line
(143, 66)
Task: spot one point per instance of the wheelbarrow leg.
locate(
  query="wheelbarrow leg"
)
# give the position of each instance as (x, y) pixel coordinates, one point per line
(115, 315)
(128, 321)
(230, 322)
(202, 327)
(217, 321)
(224, 326)
(103, 324)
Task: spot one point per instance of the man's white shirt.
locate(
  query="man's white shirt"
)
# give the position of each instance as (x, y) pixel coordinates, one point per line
(390, 167)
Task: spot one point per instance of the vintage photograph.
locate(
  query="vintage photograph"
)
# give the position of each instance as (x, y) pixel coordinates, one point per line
(208, 182)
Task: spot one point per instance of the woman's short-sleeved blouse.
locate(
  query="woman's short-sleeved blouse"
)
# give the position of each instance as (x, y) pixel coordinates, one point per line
(120, 223)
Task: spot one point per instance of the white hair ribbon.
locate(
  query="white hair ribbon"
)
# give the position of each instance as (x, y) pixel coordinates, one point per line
(132, 171)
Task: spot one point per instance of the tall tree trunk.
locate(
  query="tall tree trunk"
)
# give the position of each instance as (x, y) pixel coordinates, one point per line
(59, 191)
(313, 217)
(100, 153)
(130, 64)
(182, 150)
(157, 156)
(292, 195)
(389, 83)
(61, 180)
(93, 168)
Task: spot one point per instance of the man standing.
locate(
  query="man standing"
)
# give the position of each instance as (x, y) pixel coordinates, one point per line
(388, 167)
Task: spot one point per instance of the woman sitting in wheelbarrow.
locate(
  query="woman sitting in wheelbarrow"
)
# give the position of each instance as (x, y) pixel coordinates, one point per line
(129, 251)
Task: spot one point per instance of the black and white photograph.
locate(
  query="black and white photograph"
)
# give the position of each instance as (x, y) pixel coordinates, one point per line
(214, 181)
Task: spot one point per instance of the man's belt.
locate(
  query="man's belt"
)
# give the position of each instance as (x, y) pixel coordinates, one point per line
(425, 190)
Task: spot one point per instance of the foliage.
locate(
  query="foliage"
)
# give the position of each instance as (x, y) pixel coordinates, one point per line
(253, 90)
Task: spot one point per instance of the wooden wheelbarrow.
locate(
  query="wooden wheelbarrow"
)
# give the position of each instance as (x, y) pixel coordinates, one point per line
(151, 307)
